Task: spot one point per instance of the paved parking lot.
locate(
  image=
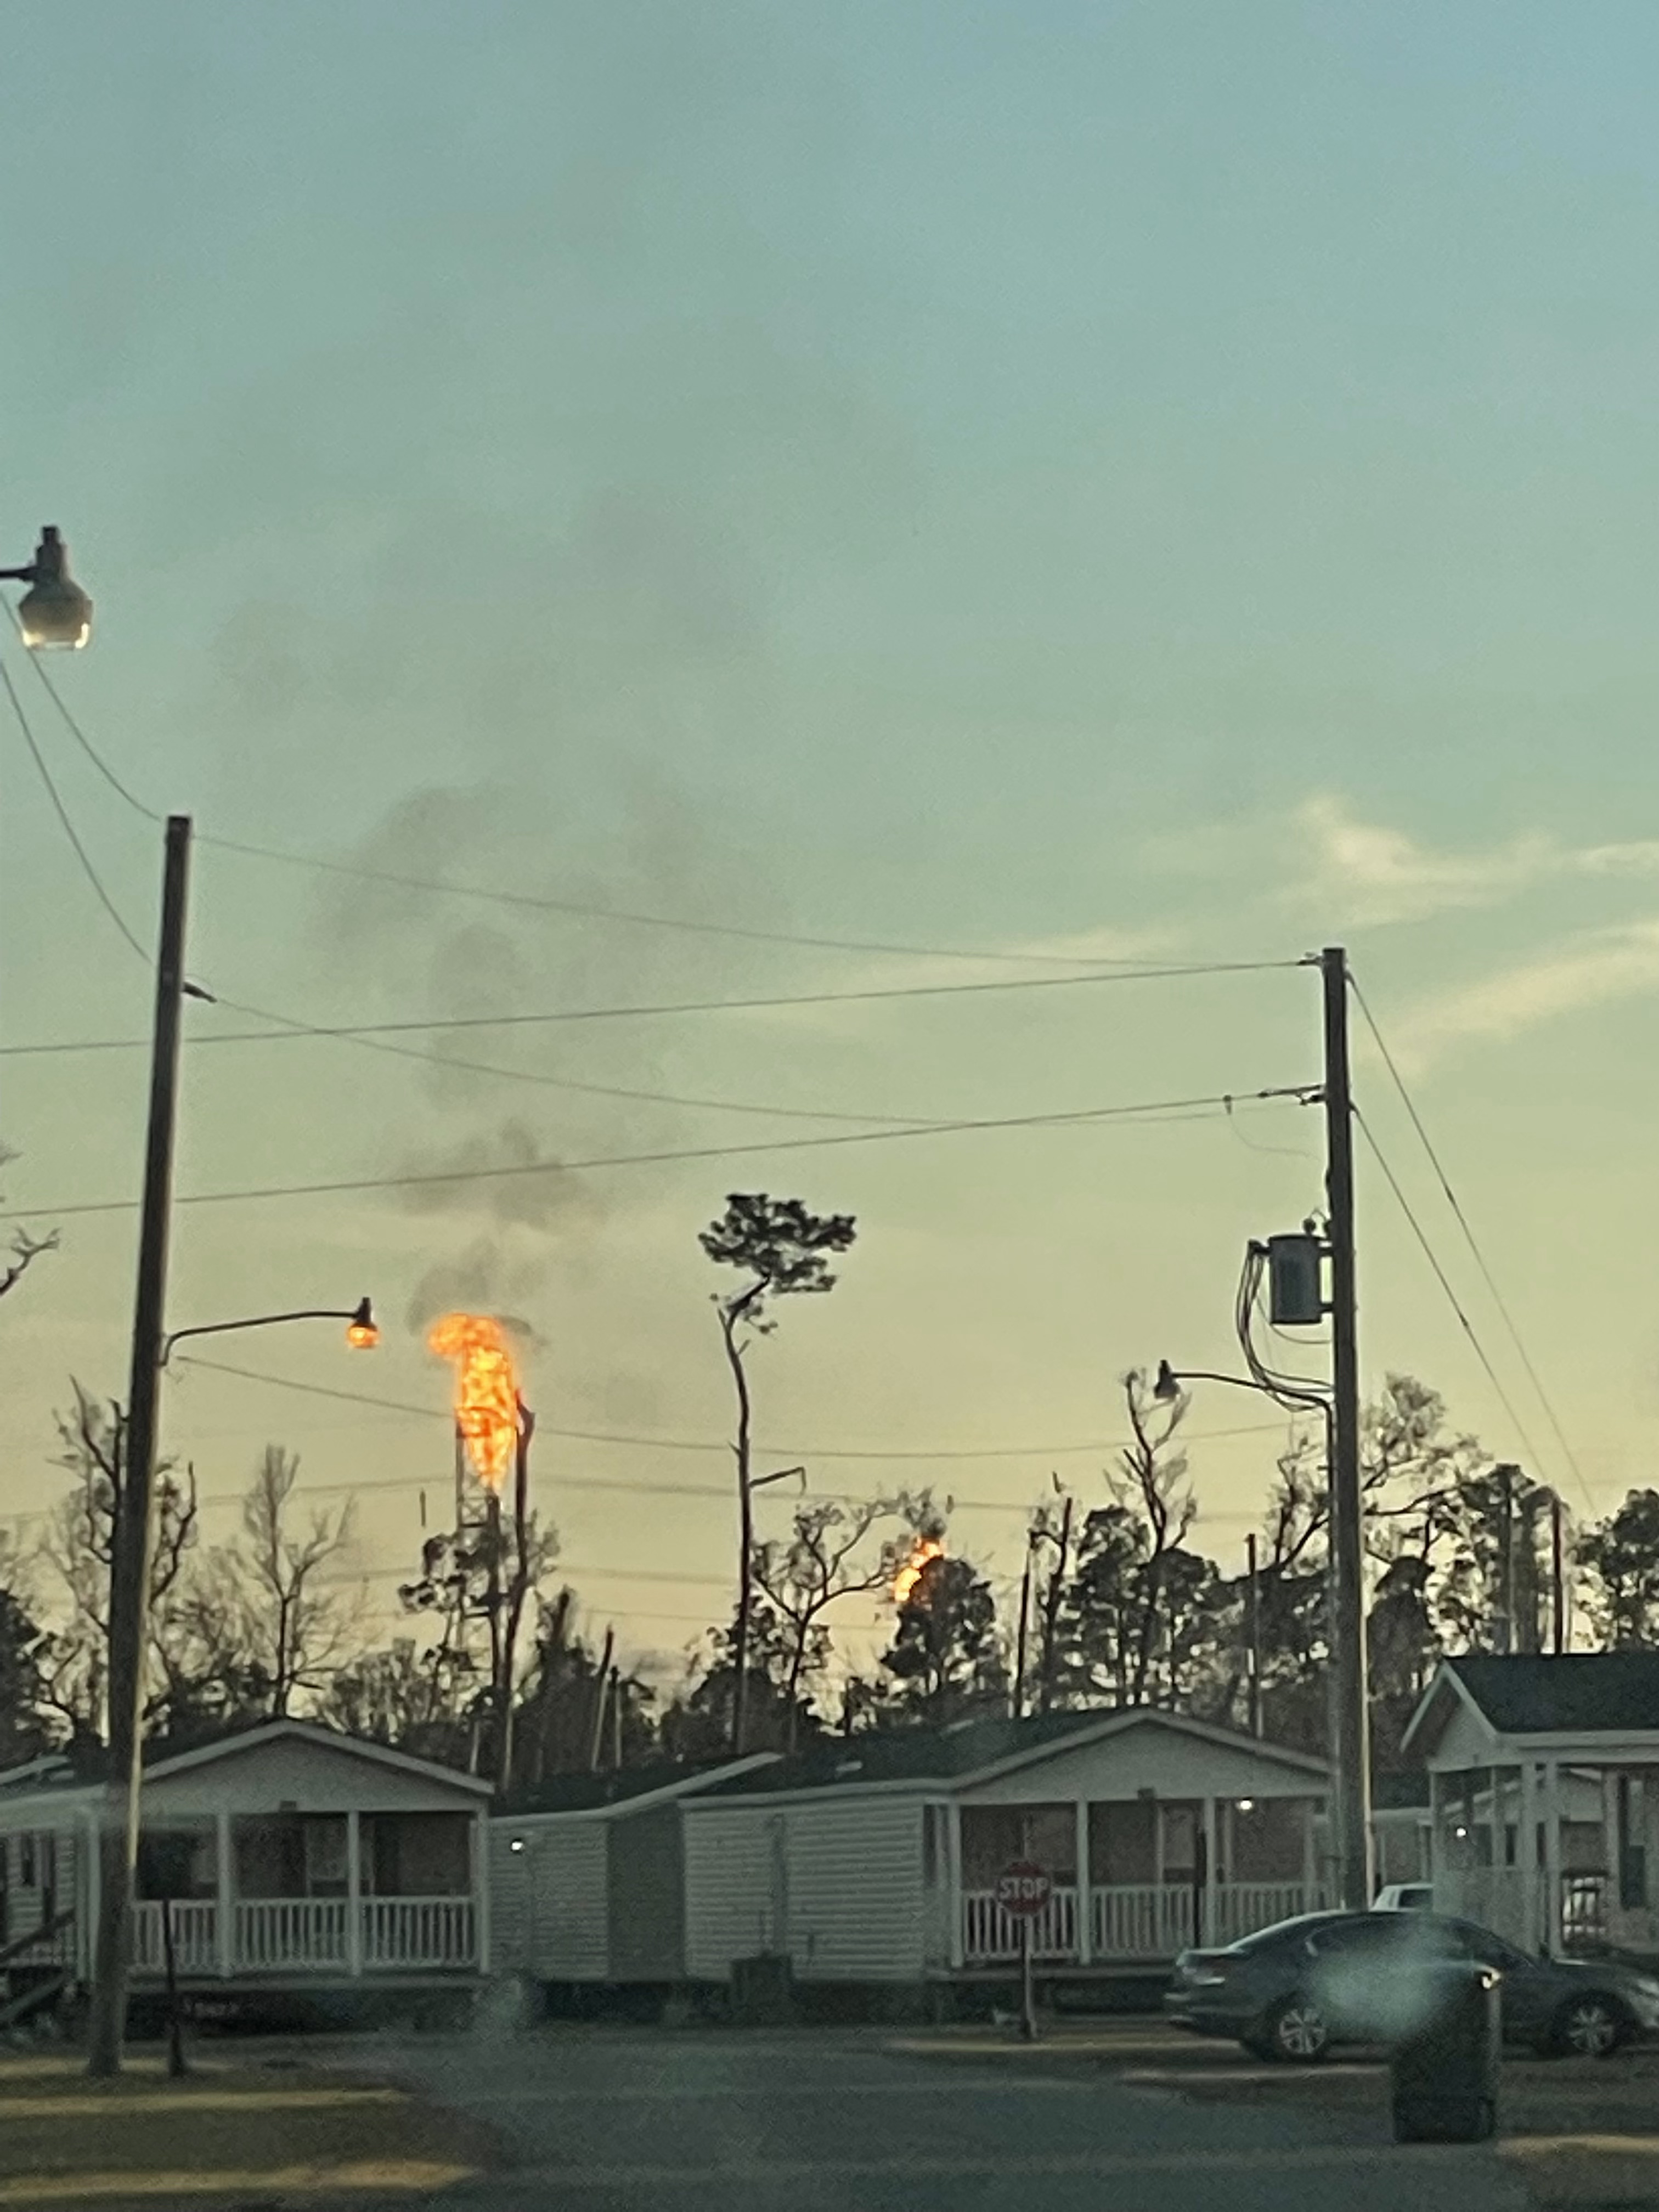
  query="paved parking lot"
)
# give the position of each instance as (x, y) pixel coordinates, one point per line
(805, 2121)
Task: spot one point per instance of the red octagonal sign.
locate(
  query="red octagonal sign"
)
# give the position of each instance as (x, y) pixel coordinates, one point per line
(1024, 1889)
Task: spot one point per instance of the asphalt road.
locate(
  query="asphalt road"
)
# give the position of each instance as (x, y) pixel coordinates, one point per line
(638, 2121)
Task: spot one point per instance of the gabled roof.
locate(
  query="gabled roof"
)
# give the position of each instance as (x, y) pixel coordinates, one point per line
(629, 1786)
(1576, 1693)
(312, 1732)
(971, 1750)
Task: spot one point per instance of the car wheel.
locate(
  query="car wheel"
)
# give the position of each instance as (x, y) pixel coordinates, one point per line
(1295, 2033)
(1590, 2026)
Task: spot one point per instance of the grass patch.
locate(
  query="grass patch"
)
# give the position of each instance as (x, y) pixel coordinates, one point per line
(65, 2139)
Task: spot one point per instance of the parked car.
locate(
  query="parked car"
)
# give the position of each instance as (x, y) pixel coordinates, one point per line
(1294, 1990)
(1404, 1897)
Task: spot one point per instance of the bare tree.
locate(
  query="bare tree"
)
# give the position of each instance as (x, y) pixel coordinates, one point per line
(783, 1249)
(820, 1562)
(295, 1628)
(1151, 1481)
(79, 1546)
(24, 1248)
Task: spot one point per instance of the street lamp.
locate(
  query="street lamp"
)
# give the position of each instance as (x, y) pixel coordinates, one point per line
(363, 1331)
(128, 1607)
(54, 611)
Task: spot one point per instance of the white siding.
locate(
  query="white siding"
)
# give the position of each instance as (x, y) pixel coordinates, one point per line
(1172, 1762)
(509, 1903)
(728, 1887)
(839, 1884)
(550, 1917)
(856, 1890)
(1466, 1740)
(289, 1773)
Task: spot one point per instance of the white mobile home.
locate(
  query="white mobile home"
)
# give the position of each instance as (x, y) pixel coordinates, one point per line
(1544, 1780)
(875, 1859)
(292, 1859)
(587, 1876)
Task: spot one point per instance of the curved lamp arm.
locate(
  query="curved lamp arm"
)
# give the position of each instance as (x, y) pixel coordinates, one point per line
(363, 1332)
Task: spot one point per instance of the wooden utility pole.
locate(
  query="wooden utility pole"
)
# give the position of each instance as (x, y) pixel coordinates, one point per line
(129, 1559)
(1253, 1632)
(1022, 1641)
(1350, 1717)
(1052, 1598)
(601, 1689)
(1506, 1639)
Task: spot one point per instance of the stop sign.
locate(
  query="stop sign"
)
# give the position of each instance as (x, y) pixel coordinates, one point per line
(1023, 1889)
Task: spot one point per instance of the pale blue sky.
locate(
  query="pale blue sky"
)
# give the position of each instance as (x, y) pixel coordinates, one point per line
(974, 474)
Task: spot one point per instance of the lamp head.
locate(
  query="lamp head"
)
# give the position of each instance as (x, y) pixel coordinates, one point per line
(1167, 1385)
(363, 1331)
(54, 612)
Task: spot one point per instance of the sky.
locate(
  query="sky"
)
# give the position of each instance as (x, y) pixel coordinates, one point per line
(960, 493)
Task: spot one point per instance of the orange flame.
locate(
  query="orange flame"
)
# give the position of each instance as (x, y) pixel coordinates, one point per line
(486, 1390)
(904, 1581)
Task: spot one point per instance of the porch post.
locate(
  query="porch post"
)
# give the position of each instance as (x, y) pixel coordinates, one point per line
(481, 1888)
(953, 1860)
(1212, 1922)
(92, 1885)
(1526, 1855)
(1310, 1886)
(1085, 1933)
(1552, 1856)
(354, 1895)
(224, 1896)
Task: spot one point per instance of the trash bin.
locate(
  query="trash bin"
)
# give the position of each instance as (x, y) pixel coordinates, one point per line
(1444, 2071)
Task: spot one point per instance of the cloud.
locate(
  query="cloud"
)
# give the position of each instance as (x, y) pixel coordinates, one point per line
(1591, 971)
(1371, 875)
(1362, 874)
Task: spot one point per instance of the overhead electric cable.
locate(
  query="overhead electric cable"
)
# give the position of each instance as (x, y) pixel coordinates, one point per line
(1444, 1281)
(1469, 1238)
(1173, 1109)
(64, 823)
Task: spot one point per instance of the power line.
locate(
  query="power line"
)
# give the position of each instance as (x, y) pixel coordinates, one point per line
(1444, 1281)
(702, 1445)
(447, 1061)
(64, 823)
(576, 907)
(1174, 1109)
(1451, 1198)
(291, 1027)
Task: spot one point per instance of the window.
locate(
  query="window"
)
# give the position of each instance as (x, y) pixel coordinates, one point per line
(27, 1872)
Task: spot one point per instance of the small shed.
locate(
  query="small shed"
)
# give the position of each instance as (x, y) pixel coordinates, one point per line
(875, 1859)
(588, 1875)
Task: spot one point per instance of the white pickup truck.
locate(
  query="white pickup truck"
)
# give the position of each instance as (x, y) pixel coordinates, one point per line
(1406, 1896)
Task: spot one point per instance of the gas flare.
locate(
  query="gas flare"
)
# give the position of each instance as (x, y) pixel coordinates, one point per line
(904, 1581)
(487, 1411)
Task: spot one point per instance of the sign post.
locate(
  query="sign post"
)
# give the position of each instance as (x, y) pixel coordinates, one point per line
(1024, 1890)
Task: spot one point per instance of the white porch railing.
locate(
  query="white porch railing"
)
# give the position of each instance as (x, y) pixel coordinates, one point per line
(1148, 1920)
(419, 1931)
(988, 1932)
(193, 1938)
(311, 1935)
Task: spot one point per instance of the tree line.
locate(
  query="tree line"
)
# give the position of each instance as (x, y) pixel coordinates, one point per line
(1118, 1604)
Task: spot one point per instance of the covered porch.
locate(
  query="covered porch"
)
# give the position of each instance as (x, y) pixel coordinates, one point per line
(1137, 1880)
(350, 1894)
(1544, 1797)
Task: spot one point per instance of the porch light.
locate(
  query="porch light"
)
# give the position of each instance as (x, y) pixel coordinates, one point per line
(1246, 1804)
(517, 1843)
